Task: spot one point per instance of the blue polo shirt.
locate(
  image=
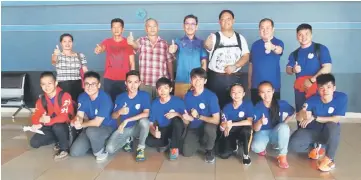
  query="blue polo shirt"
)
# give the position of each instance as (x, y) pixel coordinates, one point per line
(206, 104)
(136, 105)
(102, 106)
(266, 67)
(242, 112)
(337, 107)
(308, 60)
(189, 56)
(260, 109)
(158, 110)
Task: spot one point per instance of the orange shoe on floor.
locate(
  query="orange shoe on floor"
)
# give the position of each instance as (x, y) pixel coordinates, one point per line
(326, 164)
(317, 153)
(282, 161)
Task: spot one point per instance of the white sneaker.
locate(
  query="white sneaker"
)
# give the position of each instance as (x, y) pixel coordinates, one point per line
(103, 156)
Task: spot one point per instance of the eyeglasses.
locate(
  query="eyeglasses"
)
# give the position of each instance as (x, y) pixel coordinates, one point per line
(92, 85)
(190, 24)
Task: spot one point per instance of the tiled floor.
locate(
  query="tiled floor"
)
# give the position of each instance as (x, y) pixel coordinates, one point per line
(20, 162)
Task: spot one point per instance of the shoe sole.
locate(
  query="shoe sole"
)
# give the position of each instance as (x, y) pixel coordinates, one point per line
(210, 162)
(140, 160)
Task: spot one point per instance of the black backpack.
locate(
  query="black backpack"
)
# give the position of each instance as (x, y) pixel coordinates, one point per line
(316, 50)
(73, 133)
(218, 41)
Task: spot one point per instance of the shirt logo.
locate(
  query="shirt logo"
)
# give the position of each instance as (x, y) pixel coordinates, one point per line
(285, 114)
(241, 114)
(202, 106)
(310, 55)
(172, 110)
(330, 110)
(96, 112)
(137, 106)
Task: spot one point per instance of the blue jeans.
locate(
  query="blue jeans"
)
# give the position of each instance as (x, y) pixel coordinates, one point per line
(91, 138)
(117, 140)
(278, 136)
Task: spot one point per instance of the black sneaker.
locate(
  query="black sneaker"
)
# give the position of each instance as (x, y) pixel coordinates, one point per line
(210, 158)
(56, 147)
(246, 160)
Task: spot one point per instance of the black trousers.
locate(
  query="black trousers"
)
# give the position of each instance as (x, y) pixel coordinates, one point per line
(173, 131)
(73, 87)
(228, 144)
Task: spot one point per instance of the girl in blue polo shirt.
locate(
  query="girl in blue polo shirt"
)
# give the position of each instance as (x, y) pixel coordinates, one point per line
(236, 125)
(269, 124)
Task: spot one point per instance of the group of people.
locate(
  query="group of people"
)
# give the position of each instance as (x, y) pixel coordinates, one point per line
(207, 109)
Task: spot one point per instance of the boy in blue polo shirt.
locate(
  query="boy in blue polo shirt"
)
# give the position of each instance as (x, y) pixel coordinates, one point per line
(265, 60)
(201, 116)
(190, 54)
(132, 108)
(319, 122)
(166, 120)
(94, 116)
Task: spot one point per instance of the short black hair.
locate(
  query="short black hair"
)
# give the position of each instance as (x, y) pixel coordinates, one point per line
(303, 27)
(47, 74)
(265, 82)
(199, 72)
(235, 84)
(225, 11)
(190, 16)
(117, 20)
(266, 19)
(66, 35)
(163, 81)
(325, 78)
(132, 73)
(92, 74)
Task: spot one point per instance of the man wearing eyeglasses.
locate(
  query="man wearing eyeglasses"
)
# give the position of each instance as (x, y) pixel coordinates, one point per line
(228, 53)
(189, 53)
(94, 116)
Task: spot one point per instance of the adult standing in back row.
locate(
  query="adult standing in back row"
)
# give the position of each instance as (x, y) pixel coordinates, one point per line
(264, 62)
(228, 53)
(119, 59)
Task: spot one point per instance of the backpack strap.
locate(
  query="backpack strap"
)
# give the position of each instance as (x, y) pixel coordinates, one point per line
(295, 54)
(60, 97)
(239, 42)
(216, 46)
(317, 50)
(44, 103)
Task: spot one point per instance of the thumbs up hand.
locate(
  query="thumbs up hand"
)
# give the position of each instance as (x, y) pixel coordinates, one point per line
(130, 39)
(297, 68)
(173, 48)
(209, 42)
(57, 51)
(157, 133)
(124, 110)
(187, 117)
(268, 46)
(264, 120)
(98, 49)
(44, 118)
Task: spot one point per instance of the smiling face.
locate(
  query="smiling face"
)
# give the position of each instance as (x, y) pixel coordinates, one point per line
(304, 36)
(133, 82)
(237, 93)
(226, 21)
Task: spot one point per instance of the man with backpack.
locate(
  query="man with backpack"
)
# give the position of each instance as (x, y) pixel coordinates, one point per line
(53, 111)
(308, 62)
(228, 53)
